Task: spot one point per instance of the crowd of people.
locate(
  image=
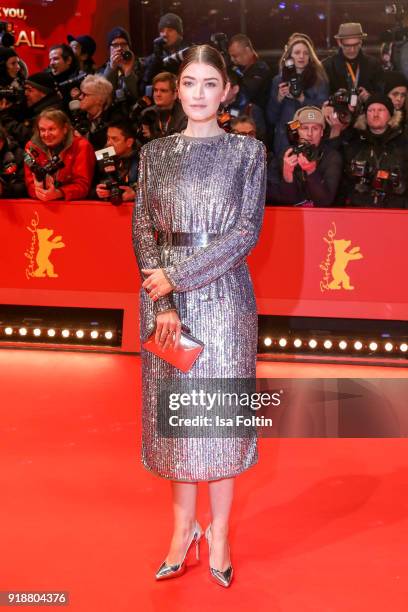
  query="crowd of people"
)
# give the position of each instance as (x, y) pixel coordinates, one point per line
(335, 130)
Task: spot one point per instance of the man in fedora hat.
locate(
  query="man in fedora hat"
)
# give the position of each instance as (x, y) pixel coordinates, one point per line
(350, 68)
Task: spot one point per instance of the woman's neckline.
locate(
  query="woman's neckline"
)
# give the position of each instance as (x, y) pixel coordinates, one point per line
(203, 138)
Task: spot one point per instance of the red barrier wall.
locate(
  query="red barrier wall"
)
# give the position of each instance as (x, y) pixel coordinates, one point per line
(308, 262)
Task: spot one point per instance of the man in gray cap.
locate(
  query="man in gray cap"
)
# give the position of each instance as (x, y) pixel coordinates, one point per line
(311, 170)
(350, 68)
(167, 49)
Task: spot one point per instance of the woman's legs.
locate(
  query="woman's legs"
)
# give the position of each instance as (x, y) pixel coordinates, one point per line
(184, 512)
(221, 496)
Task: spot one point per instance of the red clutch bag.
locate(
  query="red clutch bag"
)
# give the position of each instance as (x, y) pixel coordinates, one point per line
(183, 357)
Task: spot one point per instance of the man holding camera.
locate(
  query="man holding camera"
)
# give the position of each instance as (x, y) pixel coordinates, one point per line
(377, 158)
(121, 137)
(169, 43)
(122, 68)
(311, 172)
(350, 68)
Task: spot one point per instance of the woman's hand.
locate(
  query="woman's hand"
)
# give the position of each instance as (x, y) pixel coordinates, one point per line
(283, 91)
(168, 329)
(156, 284)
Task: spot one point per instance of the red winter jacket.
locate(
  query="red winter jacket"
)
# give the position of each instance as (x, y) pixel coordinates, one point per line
(75, 179)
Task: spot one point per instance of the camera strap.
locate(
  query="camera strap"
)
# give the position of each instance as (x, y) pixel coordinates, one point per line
(354, 77)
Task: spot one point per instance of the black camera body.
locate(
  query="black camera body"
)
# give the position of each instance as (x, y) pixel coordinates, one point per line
(294, 80)
(298, 145)
(79, 118)
(341, 101)
(65, 87)
(108, 163)
(41, 171)
(10, 168)
(380, 181)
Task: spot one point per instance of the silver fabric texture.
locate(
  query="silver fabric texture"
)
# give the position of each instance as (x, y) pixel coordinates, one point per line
(213, 185)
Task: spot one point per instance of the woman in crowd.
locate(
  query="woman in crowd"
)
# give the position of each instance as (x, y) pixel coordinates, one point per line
(70, 159)
(194, 223)
(284, 100)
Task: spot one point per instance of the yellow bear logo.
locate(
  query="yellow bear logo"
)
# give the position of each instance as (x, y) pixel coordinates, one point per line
(341, 260)
(45, 246)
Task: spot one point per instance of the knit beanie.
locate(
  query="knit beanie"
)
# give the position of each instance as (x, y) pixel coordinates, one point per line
(42, 81)
(118, 32)
(380, 99)
(171, 20)
(394, 79)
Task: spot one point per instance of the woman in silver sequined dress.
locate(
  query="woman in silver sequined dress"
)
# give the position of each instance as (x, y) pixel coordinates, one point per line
(198, 213)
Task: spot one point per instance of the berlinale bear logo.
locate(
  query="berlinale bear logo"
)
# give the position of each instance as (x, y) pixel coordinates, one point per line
(40, 250)
(334, 266)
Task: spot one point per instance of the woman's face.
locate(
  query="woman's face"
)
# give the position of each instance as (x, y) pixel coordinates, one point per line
(13, 67)
(51, 133)
(300, 55)
(398, 96)
(201, 90)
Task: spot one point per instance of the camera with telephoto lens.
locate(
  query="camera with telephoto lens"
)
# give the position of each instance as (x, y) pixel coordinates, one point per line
(108, 163)
(342, 101)
(7, 38)
(79, 118)
(174, 59)
(41, 171)
(299, 145)
(292, 78)
(139, 106)
(12, 95)
(65, 87)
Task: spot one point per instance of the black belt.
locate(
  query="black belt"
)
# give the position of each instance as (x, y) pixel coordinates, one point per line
(200, 239)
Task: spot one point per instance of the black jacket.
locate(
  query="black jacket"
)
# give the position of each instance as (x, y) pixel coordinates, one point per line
(316, 189)
(371, 73)
(387, 152)
(12, 170)
(256, 83)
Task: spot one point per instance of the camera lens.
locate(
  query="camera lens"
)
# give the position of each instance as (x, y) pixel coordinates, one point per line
(126, 56)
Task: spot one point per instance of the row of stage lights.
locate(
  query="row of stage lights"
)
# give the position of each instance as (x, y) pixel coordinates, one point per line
(336, 345)
(37, 332)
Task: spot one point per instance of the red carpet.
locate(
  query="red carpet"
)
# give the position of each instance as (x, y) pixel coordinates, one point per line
(318, 525)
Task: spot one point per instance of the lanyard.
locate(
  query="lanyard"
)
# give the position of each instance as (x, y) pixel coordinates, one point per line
(354, 76)
(164, 128)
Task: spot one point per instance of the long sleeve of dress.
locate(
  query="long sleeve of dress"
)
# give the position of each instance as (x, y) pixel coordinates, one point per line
(212, 261)
(144, 243)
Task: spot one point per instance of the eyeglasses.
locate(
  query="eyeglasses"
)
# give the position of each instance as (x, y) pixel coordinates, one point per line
(84, 94)
(351, 46)
(123, 45)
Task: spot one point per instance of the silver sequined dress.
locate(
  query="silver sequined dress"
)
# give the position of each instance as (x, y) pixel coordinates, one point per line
(213, 185)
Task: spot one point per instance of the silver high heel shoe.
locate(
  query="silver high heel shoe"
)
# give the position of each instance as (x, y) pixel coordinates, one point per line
(223, 578)
(172, 571)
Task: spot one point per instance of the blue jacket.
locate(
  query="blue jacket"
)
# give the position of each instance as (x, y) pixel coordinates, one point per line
(279, 113)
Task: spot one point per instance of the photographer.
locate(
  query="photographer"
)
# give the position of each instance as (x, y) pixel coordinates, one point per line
(350, 68)
(255, 73)
(302, 82)
(122, 138)
(40, 94)
(122, 70)
(236, 104)
(169, 42)
(377, 158)
(311, 171)
(69, 159)
(11, 168)
(166, 116)
(95, 110)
